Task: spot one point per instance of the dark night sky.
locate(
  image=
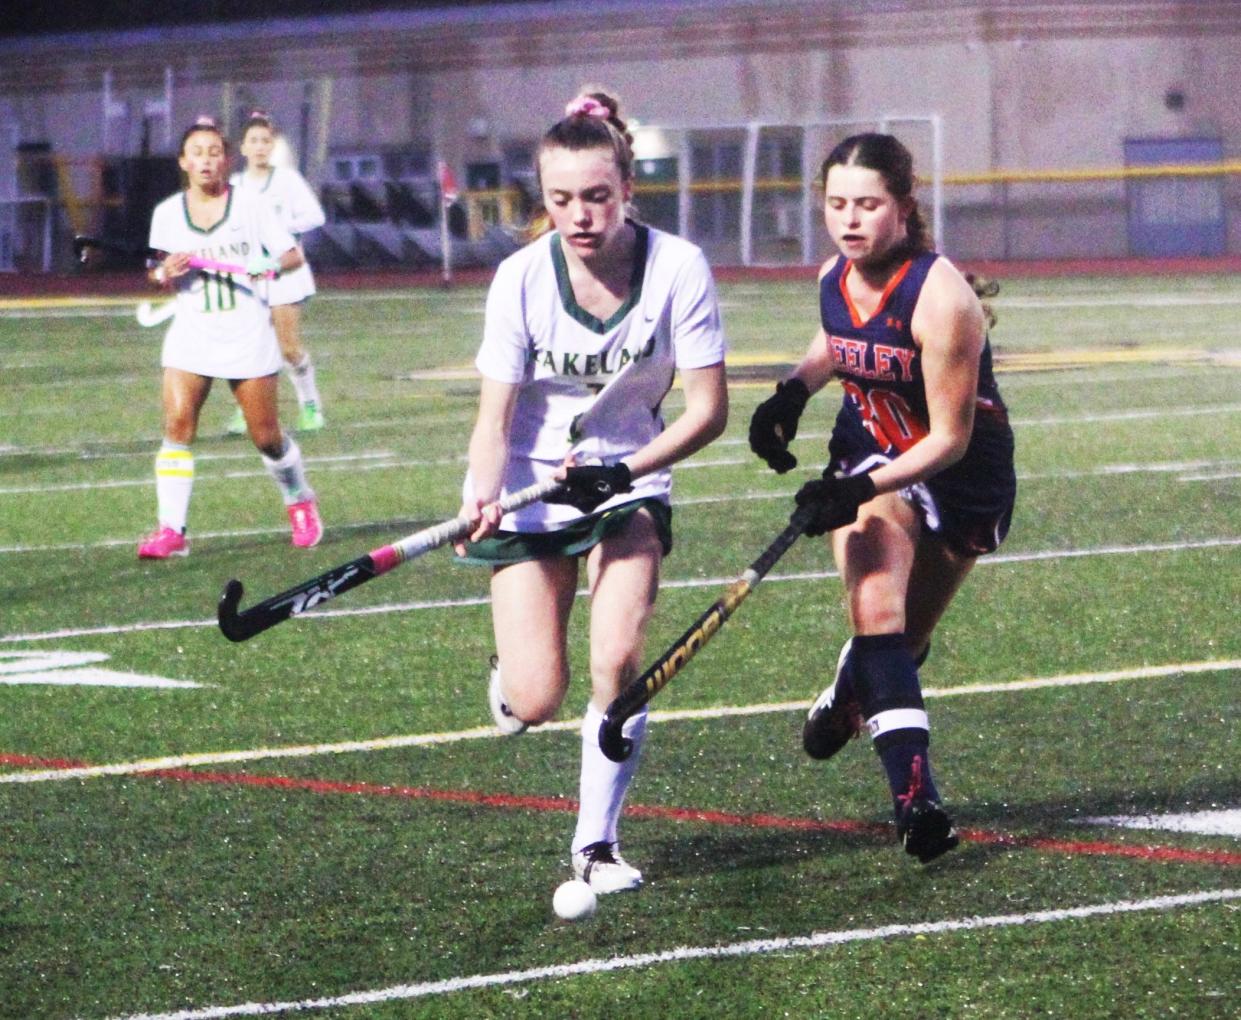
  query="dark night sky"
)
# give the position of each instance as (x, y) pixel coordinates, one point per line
(41, 17)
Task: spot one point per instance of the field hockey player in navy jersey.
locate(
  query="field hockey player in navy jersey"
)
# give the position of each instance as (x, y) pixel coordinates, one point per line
(920, 479)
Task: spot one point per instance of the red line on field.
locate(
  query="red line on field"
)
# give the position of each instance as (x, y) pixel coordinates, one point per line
(1096, 847)
(751, 821)
(505, 801)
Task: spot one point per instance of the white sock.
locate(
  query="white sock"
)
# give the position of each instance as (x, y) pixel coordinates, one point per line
(604, 782)
(289, 474)
(302, 376)
(174, 481)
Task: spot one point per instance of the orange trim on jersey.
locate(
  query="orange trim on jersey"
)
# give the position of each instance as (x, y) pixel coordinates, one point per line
(854, 314)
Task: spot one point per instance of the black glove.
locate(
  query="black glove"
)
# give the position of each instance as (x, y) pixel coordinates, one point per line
(586, 487)
(835, 501)
(774, 424)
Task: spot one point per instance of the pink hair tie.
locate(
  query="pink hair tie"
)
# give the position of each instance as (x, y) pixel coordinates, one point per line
(587, 106)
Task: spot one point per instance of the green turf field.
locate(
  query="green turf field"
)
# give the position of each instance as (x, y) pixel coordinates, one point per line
(327, 824)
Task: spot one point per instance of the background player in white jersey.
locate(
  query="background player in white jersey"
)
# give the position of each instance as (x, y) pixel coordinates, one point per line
(222, 330)
(584, 330)
(299, 210)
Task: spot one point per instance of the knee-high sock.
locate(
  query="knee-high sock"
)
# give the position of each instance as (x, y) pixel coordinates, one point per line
(174, 481)
(302, 376)
(890, 694)
(289, 474)
(604, 782)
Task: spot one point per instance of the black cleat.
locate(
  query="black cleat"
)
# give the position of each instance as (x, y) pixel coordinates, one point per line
(832, 721)
(925, 830)
(922, 824)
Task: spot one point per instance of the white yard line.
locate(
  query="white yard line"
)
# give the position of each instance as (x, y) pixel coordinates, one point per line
(682, 954)
(574, 725)
(698, 582)
(350, 464)
(1188, 412)
(1188, 471)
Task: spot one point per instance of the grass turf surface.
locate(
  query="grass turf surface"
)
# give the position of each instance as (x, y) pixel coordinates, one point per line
(288, 879)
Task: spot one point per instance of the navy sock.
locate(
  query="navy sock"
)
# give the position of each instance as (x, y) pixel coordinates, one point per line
(898, 758)
(886, 678)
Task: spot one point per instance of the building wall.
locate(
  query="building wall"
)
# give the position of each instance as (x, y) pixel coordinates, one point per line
(1020, 85)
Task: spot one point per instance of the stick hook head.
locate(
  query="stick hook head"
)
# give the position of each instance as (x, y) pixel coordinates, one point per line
(226, 612)
(615, 746)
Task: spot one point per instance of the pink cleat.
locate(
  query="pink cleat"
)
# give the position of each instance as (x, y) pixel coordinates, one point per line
(307, 528)
(163, 543)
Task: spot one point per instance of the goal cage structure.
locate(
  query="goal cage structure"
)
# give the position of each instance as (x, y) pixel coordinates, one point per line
(748, 193)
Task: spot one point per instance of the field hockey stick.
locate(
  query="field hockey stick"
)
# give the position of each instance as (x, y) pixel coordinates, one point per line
(83, 244)
(149, 315)
(225, 267)
(241, 626)
(668, 665)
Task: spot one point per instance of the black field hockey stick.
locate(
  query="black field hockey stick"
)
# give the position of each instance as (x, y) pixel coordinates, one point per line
(83, 245)
(668, 665)
(243, 625)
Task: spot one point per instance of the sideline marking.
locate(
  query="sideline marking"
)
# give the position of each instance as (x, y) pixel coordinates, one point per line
(754, 947)
(490, 732)
(1205, 823)
(74, 669)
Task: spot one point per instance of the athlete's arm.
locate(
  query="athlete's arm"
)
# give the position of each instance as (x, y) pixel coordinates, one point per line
(816, 366)
(704, 419)
(175, 264)
(949, 329)
(305, 212)
(488, 454)
(292, 259)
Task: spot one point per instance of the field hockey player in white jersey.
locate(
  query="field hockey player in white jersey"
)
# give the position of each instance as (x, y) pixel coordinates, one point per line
(299, 210)
(222, 330)
(584, 329)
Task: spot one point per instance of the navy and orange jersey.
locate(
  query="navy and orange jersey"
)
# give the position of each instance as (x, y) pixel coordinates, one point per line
(880, 366)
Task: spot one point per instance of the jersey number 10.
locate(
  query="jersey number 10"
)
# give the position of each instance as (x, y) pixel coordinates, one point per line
(219, 292)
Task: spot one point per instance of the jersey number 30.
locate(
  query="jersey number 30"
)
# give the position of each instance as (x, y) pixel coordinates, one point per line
(886, 416)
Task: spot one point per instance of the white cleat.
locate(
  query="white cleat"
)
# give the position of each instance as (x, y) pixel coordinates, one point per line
(604, 870)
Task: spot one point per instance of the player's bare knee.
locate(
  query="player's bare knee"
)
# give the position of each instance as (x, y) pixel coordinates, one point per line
(534, 706)
(534, 693)
(610, 669)
(269, 442)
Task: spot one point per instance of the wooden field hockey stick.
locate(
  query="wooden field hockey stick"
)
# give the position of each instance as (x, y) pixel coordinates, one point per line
(668, 665)
(243, 625)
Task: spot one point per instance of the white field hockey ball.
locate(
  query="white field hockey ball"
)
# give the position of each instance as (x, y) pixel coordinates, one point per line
(574, 900)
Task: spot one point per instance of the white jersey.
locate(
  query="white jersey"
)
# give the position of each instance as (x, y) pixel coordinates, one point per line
(299, 210)
(589, 387)
(222, 326)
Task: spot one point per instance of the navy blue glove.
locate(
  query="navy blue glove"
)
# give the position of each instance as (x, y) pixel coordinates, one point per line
(586, 487)
(835, 501)
(774, 424)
